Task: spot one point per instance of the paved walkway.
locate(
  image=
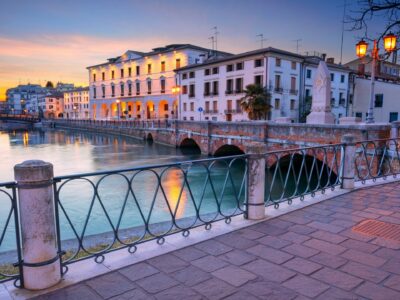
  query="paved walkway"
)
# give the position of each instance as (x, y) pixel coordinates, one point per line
(311, 253)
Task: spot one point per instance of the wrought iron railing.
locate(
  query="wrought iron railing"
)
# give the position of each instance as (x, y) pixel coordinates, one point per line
(299, 172)
(377, 159)
(105, 211)
(10, 243)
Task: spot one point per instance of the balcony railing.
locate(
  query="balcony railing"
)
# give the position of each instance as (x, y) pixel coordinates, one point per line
(211, 111)
(278, 90)
(233, 111)
(293, 92)
(206, 94)
(228, 92)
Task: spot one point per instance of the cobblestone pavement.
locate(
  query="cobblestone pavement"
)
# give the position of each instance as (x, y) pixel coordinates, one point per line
(310, 253)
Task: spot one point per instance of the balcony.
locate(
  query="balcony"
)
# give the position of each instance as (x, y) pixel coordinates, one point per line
(206, 94)
(215, 93)
(233, 111)
(211, 111)
(278, 90)
(342, 102)
(241, 91)
(228, 92)
(293, 92)
(191, 95)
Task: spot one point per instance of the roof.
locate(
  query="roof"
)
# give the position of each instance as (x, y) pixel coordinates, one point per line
(366, 58)
(313, 60)
(55, 95)
(160, 50)
(79, 89)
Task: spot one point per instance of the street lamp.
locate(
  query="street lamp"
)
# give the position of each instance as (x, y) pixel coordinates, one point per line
(389, 44)
(176, 91)
(118, 101)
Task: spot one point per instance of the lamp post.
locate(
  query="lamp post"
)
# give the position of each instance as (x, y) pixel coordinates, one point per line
(118, 101)
(176, 91)
(389, 43)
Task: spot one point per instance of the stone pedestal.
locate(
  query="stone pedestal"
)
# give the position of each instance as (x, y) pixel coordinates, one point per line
(41, 265)
(349, 152)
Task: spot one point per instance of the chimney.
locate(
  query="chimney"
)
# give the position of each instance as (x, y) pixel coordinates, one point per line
(202, 58)
(323, 56)
(330, 60)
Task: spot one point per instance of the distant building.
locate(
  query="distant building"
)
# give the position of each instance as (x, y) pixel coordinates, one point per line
(138, 85)
(53, 105)
(25, 97)
(383, 69)
(213, 89)
(76, 103)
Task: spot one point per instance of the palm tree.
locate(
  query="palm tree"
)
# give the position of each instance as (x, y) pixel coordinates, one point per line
(256, 102)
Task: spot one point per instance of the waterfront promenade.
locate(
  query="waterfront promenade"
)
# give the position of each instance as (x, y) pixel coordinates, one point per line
(312, 253)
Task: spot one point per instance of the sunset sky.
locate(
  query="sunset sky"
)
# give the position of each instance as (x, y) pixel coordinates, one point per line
(57, 39)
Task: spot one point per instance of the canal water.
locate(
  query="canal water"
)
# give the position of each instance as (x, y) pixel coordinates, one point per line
(126, 204)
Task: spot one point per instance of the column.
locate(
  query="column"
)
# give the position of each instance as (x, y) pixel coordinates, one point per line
(348, 172)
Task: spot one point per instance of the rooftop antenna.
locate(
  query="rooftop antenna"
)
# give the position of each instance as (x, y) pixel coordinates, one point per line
(212, 42)
(341, 44)
(216, 32)
(261, 36)
(297, 45)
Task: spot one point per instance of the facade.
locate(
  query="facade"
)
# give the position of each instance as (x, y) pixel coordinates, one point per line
(26, 98)
(76, 104)
(213, 90)
(53, 105)
(141, 85)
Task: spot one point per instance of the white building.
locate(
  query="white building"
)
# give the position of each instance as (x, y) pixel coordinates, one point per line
(212, 90)
(76, 104)
(139, 85)
(25, 97)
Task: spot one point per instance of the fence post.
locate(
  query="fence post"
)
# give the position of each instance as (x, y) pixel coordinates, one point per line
(41, 261)
(256, 182)
(348, 172)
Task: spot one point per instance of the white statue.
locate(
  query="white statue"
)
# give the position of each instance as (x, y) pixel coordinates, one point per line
(321, 97)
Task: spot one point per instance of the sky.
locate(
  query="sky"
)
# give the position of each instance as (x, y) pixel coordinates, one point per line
(56, 40)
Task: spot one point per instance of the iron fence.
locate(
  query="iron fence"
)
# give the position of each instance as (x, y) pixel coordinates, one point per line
(299, 172)
(10, 242)
(124, 208)
(377, 159)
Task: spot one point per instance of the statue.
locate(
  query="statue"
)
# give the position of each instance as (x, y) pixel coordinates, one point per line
(321, 97)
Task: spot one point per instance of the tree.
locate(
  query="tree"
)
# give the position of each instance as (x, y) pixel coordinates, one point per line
(369, 10)
(49, 85)
(256, 102)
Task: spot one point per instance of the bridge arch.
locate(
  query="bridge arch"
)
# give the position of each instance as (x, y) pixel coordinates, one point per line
(189, 145)
(149, 137)
(228, 150)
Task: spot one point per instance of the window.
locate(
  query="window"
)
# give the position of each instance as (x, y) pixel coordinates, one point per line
(94, 77)
(163, 66)
(332, 77)
(94, 92)
(177, 63)
(122, 73)
(191, 106)
(103, 90)
(293, 85)
(359, 115)
(239, 66)
(378, 100)
(215, 70)
(294, 65)
(191, 74)
(129, 89)
(184, 107)
(308, 75)
(191, 91)
(239, 85)
(215, 88)
(215, 106)
(341, 78)
(184, 76)
(191, 118)
(162, 86)
(137, 88)
(258, 63)
(207, 108)
(277, 103)
(206, 89)
(258, 80)
(122, 89)
(292, 104)
(184, 89)
(206, 72)
(229, 86)
(229, 68)
(103, 76)
(393, 116)
(129, 71)
(112, 74)
(278, 62)
(148, 68)
(148, 86)
(137, 70)
(277, 83)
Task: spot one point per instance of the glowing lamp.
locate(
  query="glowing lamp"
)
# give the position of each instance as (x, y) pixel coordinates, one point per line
(361, 48)
(389, 42)
(117, 101)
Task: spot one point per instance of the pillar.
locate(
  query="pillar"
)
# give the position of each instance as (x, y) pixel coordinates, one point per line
(256, 182)
(349, 152)
(41, 264)
(394, 135)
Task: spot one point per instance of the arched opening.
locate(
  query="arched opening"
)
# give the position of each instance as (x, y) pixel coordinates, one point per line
(149, 137)
(163, 109)
(150, 113)
(138, 110)
(189, 146)
(297, 174)
(60, 115)
(228, 150)
(104, 111)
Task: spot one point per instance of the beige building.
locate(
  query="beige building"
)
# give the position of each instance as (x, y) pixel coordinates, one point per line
(53, 106)
(76, 103)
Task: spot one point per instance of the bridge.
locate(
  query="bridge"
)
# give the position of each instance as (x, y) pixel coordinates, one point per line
(26, 118)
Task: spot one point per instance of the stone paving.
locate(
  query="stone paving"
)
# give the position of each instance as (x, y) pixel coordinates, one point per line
(310, 253)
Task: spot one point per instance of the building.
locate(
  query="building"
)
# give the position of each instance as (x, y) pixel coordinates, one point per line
(213, 90)
(53, 105)
(76, 103)
(26, 98)
(385, 69)
(138, 85)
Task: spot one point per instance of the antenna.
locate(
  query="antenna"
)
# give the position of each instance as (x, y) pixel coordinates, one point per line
(212, 42)
(261, 36)
(341, 44)
(216, 32)
(297, 45)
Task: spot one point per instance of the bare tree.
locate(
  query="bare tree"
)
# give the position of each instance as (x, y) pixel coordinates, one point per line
(369, 10)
